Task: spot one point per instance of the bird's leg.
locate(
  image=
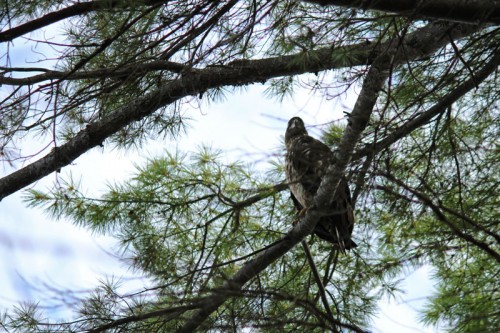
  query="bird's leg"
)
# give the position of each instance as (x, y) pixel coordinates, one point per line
(303, 212)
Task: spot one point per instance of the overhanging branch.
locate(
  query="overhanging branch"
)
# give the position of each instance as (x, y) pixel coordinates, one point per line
(484, 11)
(422, 42)
(317, 60)
(80, 8)
(424, 118)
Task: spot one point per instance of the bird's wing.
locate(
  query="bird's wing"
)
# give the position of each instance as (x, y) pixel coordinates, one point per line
(309, 158)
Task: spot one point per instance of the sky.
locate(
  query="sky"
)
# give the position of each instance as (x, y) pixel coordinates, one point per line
(39, 256)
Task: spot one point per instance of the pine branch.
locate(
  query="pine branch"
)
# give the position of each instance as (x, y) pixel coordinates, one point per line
(442, 217)
(372, 85)
(80, 8)
(485, 11)
(422, 42)
(439, 108)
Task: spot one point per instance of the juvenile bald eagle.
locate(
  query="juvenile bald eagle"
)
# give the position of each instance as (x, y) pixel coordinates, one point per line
(306, 162)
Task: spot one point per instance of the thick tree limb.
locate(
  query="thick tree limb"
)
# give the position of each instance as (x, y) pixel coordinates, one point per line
(471, 11)
(358, 120)
(421, 43)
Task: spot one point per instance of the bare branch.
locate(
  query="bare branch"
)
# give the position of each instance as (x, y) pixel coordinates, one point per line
(317, 278)
(128, 70)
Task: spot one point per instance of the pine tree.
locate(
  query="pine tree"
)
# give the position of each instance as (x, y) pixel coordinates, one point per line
(420, 149)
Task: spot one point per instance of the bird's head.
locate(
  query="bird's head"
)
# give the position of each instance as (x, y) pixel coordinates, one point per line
(295, 128)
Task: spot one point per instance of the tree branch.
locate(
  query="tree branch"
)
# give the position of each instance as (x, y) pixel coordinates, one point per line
(79, 8)
(422, 42)
(358, 120)
(173, 311)
(317, 60)
(432, 112)
(317, 278)
(441, 217)
(372, 85)
(485, 11)
(361, 55)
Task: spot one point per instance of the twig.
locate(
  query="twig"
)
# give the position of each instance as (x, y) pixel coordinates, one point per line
(317, 278)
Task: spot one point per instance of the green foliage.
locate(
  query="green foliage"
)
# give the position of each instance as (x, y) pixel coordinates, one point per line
(187, 220)
(453, 170)
(190, 221)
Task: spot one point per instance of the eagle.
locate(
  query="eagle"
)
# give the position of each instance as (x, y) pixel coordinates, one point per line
(306, 162)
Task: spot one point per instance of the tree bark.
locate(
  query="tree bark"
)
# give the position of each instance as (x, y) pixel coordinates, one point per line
(471, 11)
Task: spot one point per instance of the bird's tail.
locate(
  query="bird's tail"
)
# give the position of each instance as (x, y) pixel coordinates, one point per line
(329, 229)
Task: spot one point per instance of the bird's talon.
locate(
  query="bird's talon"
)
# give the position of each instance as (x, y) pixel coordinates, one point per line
(303, 212)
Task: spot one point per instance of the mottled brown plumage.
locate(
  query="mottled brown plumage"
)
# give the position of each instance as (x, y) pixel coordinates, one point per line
(307, 160)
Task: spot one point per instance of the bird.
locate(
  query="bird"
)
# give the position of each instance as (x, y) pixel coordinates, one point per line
(306, 162)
